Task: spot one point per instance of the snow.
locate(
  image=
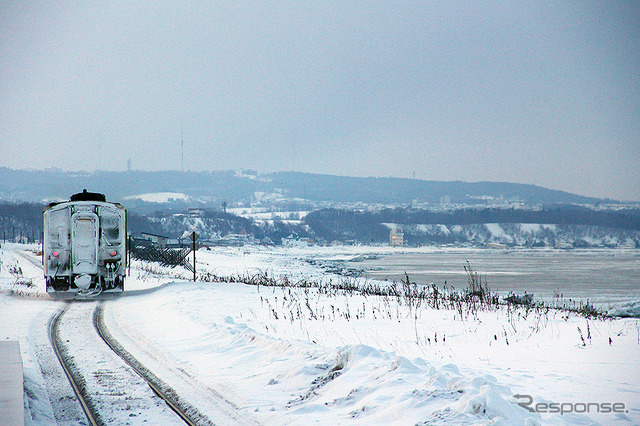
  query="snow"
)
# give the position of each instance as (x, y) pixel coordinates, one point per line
(497, 232)
(270, 368)
(159, 197)
(291, 355)
(530, 228)
(265, 214)
(430, 229)
(625, 309)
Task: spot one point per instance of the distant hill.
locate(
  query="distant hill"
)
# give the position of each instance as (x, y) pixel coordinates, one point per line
(211, 188)
(396, 190)
(561, 225)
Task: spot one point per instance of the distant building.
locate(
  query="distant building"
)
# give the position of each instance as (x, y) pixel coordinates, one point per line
(158, 240)
(241, 237)
(445, 199)
(396, 237)
(496, 245)
(294, 240)
(195, 212)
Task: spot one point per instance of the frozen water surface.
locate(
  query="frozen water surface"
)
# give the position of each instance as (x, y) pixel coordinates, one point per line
(603, 277)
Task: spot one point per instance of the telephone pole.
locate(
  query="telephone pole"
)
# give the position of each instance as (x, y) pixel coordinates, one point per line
(194, 247)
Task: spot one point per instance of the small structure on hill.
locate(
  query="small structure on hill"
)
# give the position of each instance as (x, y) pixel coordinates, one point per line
(396, 237)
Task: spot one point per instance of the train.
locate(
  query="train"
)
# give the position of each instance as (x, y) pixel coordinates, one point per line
(84, 246)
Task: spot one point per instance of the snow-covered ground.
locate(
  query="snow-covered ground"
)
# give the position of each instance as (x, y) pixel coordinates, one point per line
(159, 197)
(291, 355)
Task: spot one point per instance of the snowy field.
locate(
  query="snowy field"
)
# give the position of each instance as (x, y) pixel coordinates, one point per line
(292, 355)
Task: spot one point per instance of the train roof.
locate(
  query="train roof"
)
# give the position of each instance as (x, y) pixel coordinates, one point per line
(88, 196)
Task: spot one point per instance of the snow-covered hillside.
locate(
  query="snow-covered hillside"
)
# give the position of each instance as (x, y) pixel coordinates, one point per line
(521, 234)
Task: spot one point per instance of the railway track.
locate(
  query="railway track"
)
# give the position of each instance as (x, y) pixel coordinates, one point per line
(188, 414)
(83, 399)
(31, 259)
(87, 380)
(112, 385)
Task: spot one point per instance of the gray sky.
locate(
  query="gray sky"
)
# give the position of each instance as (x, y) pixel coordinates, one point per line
(546, 93)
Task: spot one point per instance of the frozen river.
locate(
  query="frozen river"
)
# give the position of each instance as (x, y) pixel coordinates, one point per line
(602, 277)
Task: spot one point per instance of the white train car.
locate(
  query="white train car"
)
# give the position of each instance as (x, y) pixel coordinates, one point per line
(85, 250)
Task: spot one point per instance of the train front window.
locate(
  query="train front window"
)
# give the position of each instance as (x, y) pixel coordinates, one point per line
(110, 223)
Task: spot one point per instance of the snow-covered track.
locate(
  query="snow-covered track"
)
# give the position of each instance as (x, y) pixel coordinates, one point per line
(30, 258)
(111, 386)
(84, 401)
(186, 412)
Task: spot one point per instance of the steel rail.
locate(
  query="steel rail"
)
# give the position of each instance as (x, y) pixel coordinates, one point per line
(154, 382)
(92, 417)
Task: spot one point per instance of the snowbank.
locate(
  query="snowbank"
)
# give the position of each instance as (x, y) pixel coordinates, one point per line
(228, 336)
(625, 310)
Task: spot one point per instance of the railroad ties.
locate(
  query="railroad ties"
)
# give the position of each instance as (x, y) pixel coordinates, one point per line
(111, 386)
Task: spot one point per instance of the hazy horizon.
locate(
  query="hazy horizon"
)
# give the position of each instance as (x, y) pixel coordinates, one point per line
(543, 94)
(239, 172)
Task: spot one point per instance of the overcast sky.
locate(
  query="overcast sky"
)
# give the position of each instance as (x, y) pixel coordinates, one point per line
(546, 93)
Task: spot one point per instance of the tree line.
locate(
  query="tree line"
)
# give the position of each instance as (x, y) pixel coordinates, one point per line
(366, 226)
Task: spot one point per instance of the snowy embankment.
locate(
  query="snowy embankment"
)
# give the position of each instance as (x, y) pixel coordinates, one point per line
(300, 370)
(625, 310)
(291, 355)
(298, 355)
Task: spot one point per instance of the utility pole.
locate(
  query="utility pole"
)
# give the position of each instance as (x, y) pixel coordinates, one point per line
(194, 247)
(130, 243)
